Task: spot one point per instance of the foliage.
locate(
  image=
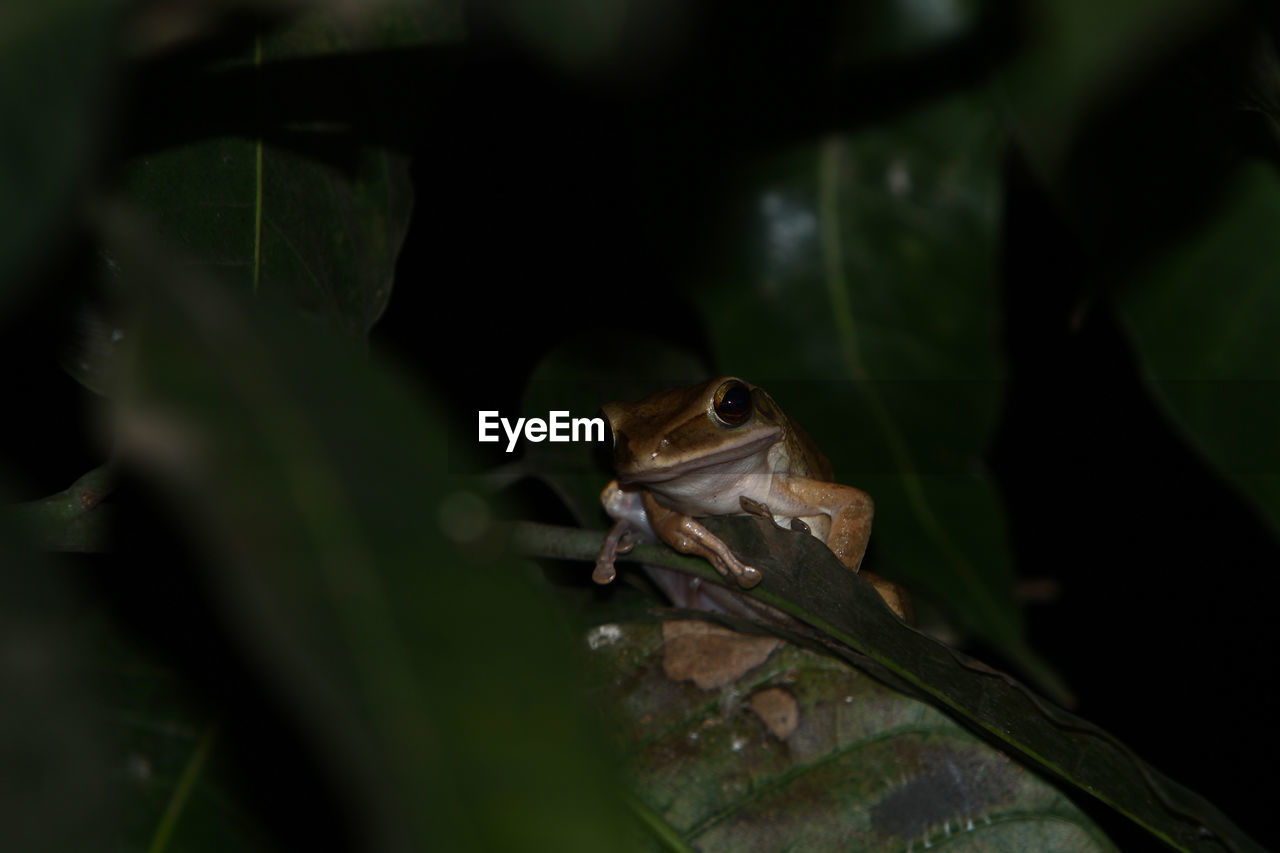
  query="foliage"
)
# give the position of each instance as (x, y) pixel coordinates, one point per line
(287, 576)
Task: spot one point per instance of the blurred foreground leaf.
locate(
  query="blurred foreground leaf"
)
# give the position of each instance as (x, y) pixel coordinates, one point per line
(55, 70)
(425, 669)
(55, 775)
(166, 755)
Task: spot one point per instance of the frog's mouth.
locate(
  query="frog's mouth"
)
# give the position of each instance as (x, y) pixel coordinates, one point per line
(626, 465)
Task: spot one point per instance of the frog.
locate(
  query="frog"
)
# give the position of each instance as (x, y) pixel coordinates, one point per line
(725, 447)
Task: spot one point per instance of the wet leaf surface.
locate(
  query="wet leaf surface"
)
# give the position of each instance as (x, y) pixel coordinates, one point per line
(995, 705)
(850, 621)
(803, 752)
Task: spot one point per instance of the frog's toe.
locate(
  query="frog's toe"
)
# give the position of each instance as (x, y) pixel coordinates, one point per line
(754, 507)
(626, 544)
(604, 571)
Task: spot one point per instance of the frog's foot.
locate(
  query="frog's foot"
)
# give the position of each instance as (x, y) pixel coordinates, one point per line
(746, 576)
(726, 563)
(688, 536)
(618, 542)
(761, 510)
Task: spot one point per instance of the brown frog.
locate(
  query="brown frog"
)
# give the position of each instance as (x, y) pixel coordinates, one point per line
(725, 448)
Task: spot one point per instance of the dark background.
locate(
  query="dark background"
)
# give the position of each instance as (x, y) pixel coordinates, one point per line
(603, 195)
(605, 199)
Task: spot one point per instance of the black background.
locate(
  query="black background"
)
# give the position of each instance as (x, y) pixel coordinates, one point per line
(603, 198)
(546, 204)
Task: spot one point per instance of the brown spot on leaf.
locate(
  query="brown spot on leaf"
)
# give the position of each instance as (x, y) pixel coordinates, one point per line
(778, 709)
(711, 656)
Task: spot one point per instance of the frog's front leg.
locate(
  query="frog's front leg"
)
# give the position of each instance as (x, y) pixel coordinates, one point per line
(687, 536)
(627, 507)
(759, 510)
(617, 543)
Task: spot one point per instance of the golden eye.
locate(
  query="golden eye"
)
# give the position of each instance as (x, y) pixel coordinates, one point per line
(732, 403)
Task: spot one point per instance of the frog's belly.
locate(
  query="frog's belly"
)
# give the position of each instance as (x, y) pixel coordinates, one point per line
(719, 490)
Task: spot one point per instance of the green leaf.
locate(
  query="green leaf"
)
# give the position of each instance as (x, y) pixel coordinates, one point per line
(1082, 52)
(56, 63)
(1205, 321)
(274, 222)
(803, 579)
(322, 235)
(803, 752)
(870, 312)
(362, 577)
(819, 590)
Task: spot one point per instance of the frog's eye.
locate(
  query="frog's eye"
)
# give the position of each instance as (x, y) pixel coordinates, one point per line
(732, 403)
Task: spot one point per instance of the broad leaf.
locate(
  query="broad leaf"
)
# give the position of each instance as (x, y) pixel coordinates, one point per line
(868, 306)
(849, 620)
(324, 235)
(1080, 53)
(1205, 320)
(803, 752)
